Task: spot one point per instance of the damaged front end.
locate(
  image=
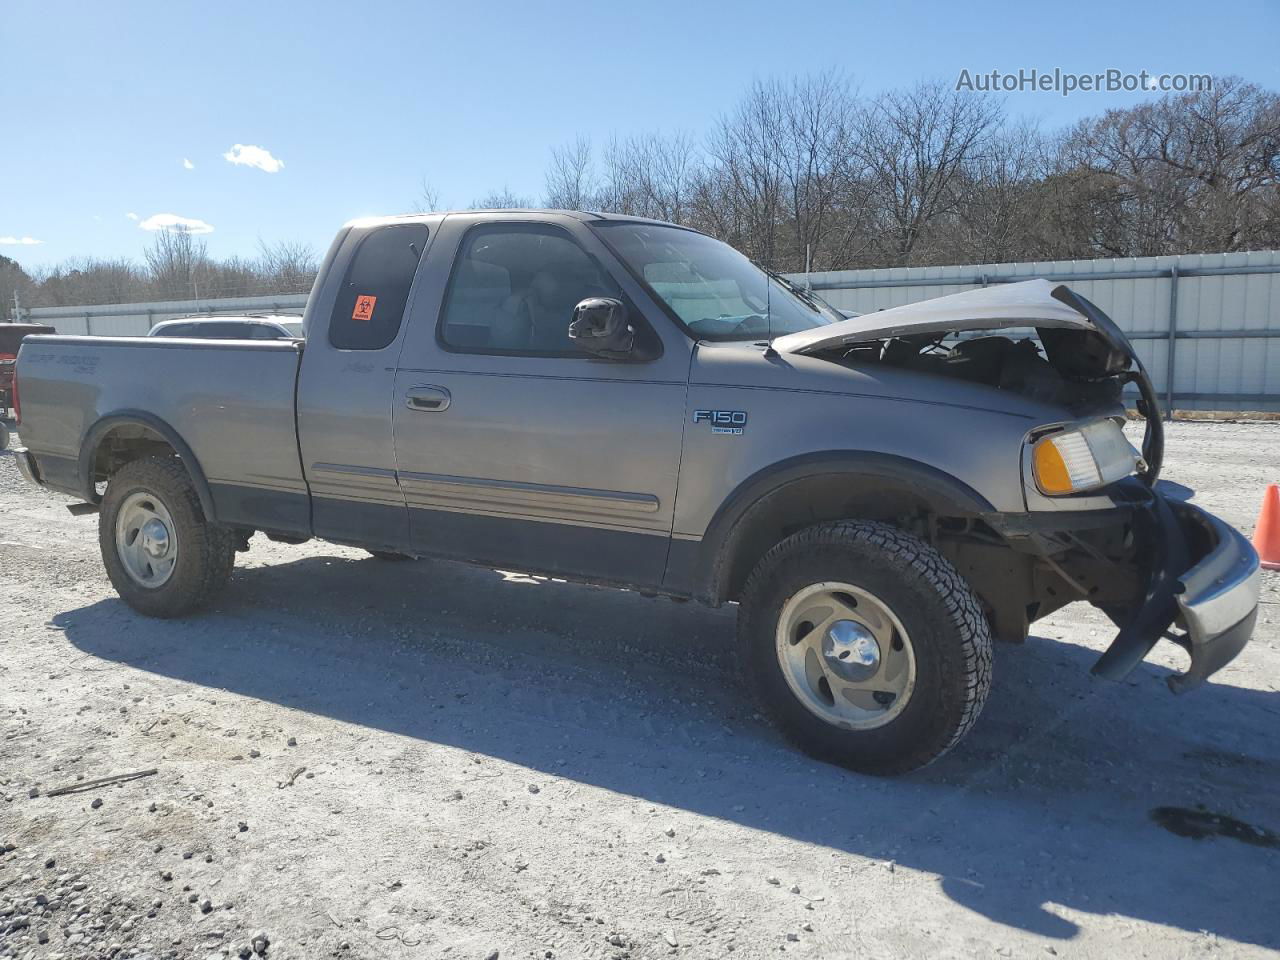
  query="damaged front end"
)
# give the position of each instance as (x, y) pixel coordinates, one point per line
(1158, 567)
(1098, 526)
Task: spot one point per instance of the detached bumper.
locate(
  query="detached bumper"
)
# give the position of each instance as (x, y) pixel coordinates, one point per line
(1218, 602)
(1205, 579)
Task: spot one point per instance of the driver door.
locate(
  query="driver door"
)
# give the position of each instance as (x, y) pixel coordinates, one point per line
(514, 447)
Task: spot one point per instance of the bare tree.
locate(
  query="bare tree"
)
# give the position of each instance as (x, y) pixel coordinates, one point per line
(13, 279)
(286, 266)
(87, 280)
(804, 172)
(428, 198)
(569, 181)
(826, 198)
(177, 261)
(177, 267)
(503, 199)
(749, 183)
(1197, 171)
(914, 145)
(995, 215)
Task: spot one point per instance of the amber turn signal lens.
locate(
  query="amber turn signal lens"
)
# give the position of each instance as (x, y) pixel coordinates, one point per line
(1052, 475)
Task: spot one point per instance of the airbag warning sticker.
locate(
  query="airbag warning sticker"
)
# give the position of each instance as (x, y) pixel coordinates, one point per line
(363, 312)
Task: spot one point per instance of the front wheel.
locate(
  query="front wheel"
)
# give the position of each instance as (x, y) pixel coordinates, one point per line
(162, 556)
(865, 646)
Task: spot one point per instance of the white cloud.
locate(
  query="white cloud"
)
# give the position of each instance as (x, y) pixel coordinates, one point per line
(247, 155)
(175, 224)
(20, 241)
(187, 164)
(131, 215)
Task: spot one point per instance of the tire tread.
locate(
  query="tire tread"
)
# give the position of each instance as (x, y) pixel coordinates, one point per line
(213, 545)
(910, 556)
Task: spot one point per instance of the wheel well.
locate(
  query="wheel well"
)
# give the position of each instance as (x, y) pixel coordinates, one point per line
(834, 496)
(1010, 583)
(123, 444)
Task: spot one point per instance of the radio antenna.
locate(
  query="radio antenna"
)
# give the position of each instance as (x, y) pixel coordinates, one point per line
(768, 304)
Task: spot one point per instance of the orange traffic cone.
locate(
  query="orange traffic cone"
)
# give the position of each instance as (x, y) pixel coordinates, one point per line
(1266, 536)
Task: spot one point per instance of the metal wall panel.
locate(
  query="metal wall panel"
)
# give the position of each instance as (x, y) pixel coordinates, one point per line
(137, 319)
(1216, 364)
(1226, 372)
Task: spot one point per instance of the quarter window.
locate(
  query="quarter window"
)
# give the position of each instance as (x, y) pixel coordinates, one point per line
(514, 287)
(370, 305)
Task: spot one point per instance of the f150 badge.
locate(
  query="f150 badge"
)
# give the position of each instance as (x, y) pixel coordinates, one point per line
(728, 422)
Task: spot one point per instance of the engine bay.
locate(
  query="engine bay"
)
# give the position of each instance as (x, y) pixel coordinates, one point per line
(1076, 369)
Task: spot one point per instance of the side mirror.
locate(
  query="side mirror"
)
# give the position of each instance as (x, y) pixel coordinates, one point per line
(600, 326)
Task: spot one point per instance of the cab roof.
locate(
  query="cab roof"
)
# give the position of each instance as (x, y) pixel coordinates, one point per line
(585, 216)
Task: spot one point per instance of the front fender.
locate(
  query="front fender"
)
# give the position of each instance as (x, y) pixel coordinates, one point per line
(705, 567)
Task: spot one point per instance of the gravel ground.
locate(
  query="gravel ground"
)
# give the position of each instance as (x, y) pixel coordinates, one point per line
(362, 759)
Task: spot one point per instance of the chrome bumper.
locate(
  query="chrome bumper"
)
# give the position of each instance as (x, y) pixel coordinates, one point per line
(1217, 598)
(27, 466)
(1203, 577)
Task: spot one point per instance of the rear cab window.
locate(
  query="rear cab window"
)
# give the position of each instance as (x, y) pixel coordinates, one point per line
(370, 304)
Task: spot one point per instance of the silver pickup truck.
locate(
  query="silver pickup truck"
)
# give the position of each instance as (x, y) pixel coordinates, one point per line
(627, 402)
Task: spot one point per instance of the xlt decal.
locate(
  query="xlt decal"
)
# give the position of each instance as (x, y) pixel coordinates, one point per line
(728, 422)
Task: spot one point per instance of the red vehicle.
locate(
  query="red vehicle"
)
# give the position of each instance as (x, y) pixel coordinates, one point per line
(11, 335)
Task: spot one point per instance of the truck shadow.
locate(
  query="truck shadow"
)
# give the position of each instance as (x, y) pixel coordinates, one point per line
(1043, 811)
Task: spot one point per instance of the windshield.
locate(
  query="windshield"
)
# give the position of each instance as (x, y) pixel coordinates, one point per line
(715, 291)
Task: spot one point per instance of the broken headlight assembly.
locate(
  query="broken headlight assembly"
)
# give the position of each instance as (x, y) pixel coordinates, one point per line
(1083, 458)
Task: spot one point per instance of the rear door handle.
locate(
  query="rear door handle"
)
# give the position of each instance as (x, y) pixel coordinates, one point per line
(428, 399)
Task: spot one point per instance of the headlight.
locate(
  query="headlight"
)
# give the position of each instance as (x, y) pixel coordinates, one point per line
(1082, 459)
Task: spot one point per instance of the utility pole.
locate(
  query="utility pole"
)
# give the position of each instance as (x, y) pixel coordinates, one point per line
(17, 307)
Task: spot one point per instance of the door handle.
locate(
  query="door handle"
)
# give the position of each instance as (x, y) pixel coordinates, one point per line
(428, 399)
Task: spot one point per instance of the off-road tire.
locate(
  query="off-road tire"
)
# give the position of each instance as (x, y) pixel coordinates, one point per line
(389, 555)
(206, 550)
(949, 633)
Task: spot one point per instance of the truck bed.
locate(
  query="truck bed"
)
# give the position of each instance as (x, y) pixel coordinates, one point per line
(230, 401)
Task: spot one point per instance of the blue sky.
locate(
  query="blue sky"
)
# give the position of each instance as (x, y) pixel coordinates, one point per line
(103, 101)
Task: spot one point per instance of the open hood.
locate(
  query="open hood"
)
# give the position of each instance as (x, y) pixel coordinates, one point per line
(1029, 303)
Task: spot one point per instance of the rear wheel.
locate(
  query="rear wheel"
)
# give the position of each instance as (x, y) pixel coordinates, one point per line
(865, 646)
(162, 556)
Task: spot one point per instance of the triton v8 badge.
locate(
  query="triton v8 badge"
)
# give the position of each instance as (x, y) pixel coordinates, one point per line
(728, 422)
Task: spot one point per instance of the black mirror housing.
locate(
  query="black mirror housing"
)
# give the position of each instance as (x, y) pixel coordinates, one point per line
(601, 326)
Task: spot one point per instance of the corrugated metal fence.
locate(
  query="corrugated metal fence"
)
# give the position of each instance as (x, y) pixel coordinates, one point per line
(137, 319)
(1207, 326)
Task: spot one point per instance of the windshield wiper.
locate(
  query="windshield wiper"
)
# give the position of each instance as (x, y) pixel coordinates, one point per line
(805, 295)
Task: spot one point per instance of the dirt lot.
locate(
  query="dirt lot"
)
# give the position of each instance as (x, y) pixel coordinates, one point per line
(362, 759)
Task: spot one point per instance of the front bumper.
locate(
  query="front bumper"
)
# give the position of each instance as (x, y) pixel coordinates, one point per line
(1205, 579)
(1218, 602)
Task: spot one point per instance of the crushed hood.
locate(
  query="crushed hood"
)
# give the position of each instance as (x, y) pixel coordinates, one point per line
(1029, 303)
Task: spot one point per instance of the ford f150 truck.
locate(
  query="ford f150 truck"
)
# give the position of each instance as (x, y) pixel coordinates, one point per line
(621, 401)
